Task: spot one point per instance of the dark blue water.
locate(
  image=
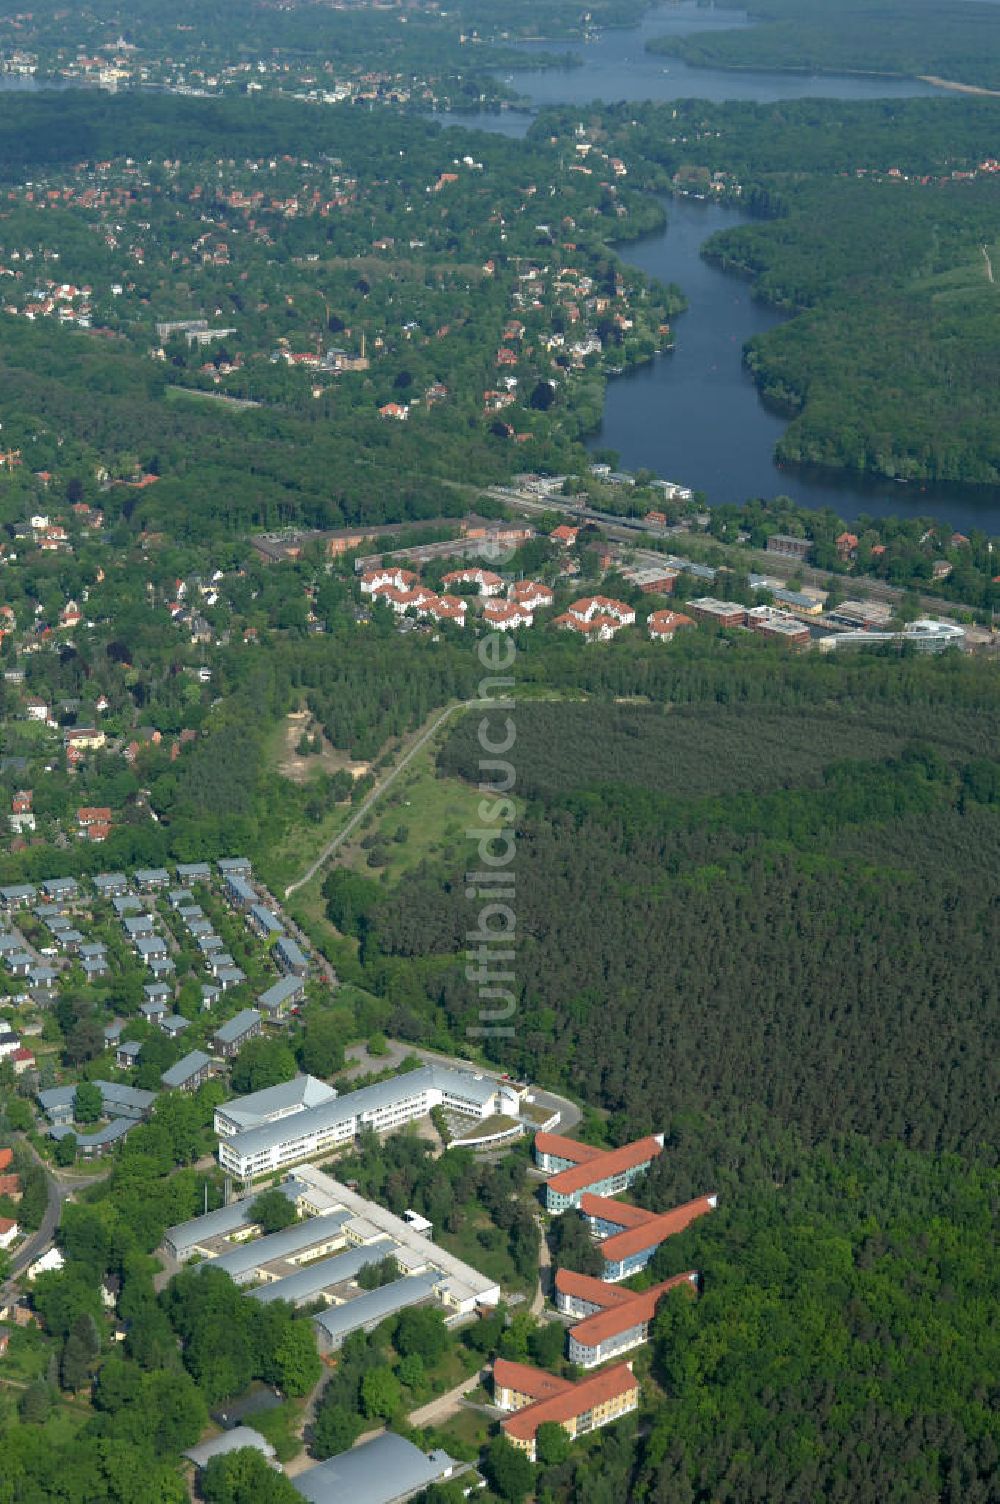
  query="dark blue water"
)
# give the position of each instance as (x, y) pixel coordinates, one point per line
(694, 415)
(616, 66)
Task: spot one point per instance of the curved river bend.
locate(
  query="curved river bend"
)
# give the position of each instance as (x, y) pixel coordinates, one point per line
(694, 415)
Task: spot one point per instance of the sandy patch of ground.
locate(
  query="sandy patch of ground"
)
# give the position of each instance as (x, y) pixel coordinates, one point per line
(300, 769)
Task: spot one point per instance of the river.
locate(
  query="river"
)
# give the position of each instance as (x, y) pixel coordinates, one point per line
(694, 415)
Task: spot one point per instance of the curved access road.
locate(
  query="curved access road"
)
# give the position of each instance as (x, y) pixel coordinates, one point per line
(41, 1239)
(370, 800)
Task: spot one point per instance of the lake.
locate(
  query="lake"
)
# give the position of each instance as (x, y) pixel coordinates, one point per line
(694, 415)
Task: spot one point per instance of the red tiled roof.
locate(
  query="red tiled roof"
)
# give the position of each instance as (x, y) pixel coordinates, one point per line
(585, 1395)
(610, 1210)
(527, 1380)
(566, 1148)
(6, 1158)
(621, 1245)
(586, 1287)
(668, 621)
(613, 1162)
(6, 1223)
(634, 1310)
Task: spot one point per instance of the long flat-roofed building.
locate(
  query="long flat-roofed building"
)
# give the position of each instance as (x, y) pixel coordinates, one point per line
(539, 1398)
(384, 1107)
(271, 1105)
(386, 1470)
(579, 1168)
(617, 1321)
(200, 1235)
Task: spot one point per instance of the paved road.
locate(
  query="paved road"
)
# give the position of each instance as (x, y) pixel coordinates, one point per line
(42, 1239)
(370, 800)
(446, 1404)
(322, 965)
(544, 1271)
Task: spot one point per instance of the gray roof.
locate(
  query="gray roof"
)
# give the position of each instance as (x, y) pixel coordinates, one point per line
(117, 1097)
(381, 1471)
(190, 1065)
(106, 881)
(374, 1306)
(139, 924)
(94, 948)
(126, 903)
(109, 1134)
(156, 992)
(65, 885)
(151, 875)
(359, 1104)
(178, 897)
(233, 975)
(247, 1257)
(261, 1106)
(230, 1441)
(131, 1047)
(228, 864)
(150, 945)
(15, 892)
(309, 1282)
(241, 889)
(236, 1027)
(193, 871)
(281, 992)
(174, 1023)
(292, 951)
(268, 921)
(39, 975)
(10, 944)
(95, 965)
(225, 1219)
(56, 1098)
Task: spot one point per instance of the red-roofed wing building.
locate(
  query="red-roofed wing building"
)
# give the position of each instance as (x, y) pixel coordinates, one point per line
(579, 1408)
(606, 1173)
(606, 1334)
(628, 1251)
(517, 1385)
(554, 1152)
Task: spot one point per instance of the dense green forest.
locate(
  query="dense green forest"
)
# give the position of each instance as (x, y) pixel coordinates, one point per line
(755, 918)
(952, 39)
(812, 856)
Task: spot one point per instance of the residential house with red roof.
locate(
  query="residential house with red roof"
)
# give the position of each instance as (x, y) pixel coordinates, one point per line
(662, 625)
(530, 595)
(505, 616)
(487, 582)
